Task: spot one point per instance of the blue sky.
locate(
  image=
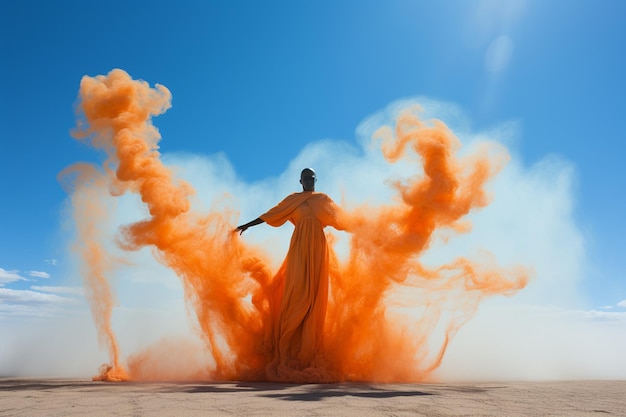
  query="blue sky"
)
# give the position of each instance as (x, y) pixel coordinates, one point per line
(258, 81)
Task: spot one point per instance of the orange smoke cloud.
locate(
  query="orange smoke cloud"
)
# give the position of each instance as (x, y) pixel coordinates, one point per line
(89, 202)
(229, 284)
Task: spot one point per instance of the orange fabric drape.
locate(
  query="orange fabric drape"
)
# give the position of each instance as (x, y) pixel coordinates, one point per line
(302, 281)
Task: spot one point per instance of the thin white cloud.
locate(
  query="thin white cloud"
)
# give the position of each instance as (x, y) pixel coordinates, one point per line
(59, 290)
(22, 311)
(10, 276)
(499, 54)
(52, 262)
(28, 297)
(592, 315)
(38, 303)
(622, 304)
(488, 18)
(39, 274)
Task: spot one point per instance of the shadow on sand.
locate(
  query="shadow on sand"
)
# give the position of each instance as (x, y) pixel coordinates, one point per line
(279, 391)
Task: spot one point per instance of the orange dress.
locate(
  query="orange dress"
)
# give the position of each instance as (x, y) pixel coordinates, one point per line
(302, 280)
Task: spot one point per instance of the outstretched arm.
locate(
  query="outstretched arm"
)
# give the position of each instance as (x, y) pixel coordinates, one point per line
(244, 227)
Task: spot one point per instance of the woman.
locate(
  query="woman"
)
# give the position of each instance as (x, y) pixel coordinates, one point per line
(299, 327)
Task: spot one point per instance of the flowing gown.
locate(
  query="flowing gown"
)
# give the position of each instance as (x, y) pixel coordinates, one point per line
(303, 280)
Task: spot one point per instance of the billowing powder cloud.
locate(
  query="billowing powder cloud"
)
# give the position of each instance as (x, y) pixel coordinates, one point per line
(229, 282)
(441, 220)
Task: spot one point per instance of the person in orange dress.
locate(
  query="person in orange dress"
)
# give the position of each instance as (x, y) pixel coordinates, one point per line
(298, 328)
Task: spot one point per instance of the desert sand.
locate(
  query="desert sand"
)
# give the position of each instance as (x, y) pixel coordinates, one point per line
(76, 397)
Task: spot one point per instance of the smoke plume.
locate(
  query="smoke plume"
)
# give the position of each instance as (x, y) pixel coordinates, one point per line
(391, 316)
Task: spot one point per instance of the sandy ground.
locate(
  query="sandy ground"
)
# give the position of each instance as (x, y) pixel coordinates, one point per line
(73, 397)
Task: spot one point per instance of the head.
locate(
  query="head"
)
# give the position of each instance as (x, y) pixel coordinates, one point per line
(308, 179)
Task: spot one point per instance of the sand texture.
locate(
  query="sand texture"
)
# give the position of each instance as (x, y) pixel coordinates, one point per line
(74, 397)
